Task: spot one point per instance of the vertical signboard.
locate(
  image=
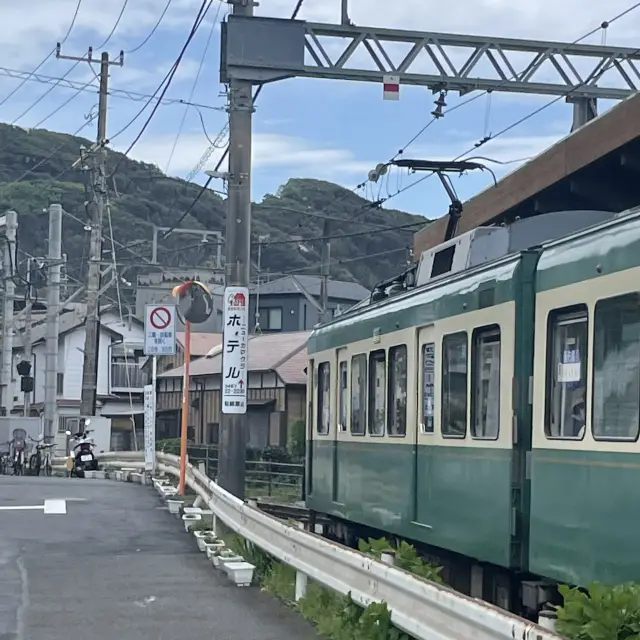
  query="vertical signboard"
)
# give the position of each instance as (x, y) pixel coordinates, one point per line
(234, 350)
(149, 428)
(160, 330)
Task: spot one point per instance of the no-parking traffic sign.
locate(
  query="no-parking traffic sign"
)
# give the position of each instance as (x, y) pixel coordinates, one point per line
(160, 330)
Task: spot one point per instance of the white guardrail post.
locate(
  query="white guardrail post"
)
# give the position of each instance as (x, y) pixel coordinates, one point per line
(424, 610)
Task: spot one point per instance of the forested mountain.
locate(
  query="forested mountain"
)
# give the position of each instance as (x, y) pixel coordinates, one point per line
(36, 170)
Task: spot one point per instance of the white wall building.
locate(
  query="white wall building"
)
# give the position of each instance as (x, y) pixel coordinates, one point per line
(120, 378)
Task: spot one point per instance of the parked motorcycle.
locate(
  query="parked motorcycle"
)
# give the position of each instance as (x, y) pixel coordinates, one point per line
(81, 453)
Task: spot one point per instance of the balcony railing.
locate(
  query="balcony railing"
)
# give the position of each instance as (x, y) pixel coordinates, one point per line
(127, 376)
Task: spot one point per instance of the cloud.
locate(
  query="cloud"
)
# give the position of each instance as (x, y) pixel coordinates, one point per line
(544, 19)
(284, 154)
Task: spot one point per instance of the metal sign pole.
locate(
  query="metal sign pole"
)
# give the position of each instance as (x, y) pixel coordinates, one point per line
(185, 407)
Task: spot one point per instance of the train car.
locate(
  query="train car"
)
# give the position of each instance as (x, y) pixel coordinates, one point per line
(439, 413)
(585, 458)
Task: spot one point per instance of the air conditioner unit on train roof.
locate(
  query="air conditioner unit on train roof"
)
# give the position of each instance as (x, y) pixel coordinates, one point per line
(463, 252)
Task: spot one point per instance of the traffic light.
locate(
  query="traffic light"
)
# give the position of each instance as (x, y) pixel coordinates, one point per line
(24, 368)
(26, 379)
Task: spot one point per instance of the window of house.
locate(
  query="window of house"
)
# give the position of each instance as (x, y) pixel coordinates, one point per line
(616, 368)
(377, 392)
(485, 390)
(397, 417)
(324, 398)
(567, 335)
(60, 384)
(271, 318)
(428, 387)
(358, 394)
(343, 396)
(454, 385)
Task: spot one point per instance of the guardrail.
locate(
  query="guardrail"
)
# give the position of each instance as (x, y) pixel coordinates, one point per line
(422, 609)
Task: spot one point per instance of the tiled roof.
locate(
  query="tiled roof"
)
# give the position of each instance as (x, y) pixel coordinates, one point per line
(291, 284)
(201, 343)
(279, 352)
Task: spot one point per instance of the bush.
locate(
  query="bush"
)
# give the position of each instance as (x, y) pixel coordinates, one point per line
(604, 613)
(407, 558)
(298, 440)
(276, 454)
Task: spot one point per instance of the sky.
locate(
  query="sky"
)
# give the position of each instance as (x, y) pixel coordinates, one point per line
(302, 127)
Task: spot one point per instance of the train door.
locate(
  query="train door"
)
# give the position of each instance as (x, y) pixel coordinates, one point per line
(341, 417)
(311, 385)
(425, 423)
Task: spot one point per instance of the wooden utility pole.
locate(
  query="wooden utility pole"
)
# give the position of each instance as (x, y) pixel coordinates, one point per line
(94, 162)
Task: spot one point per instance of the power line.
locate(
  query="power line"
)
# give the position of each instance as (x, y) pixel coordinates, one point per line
(114, 93)
(225, 153)
(60, 107)
(5, 186)
(73, 22)
(44, 95)
(155, 28)
(193, 90)
(115, 26)
(202, 12)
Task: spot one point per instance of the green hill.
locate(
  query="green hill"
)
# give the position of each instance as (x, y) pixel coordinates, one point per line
(142, 196)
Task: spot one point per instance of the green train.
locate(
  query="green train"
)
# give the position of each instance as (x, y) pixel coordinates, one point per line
(486, 407)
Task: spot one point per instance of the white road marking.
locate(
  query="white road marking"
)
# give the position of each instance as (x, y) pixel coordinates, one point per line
(57, 507)
(50, 507)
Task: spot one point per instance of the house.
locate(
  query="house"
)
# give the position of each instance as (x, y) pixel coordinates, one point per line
(201, 344)
(276, 392)
(120, 380)
(292, 303)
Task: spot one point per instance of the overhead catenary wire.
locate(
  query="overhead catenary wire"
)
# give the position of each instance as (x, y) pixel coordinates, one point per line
(508, 79)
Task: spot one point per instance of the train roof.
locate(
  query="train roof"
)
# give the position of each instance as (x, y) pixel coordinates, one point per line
(565, 259)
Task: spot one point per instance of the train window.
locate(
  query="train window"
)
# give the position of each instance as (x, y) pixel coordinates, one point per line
(485, 389)
(358, 394)
(324, 398)
(377, 392)
(428, 386)
(616, 368)
(567, 343)
(343, 397)
(397, 418)
(454, 385)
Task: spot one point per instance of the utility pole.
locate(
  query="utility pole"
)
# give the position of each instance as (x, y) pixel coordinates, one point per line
(326, 257)
(94, 165)
(28, 307)
(54, 268)
(233, 431)
(10, 223)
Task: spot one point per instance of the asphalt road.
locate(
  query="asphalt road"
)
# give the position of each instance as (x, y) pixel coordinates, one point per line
(118, 566)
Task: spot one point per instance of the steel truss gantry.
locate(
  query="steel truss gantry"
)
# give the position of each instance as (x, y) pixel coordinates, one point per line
(261, 50)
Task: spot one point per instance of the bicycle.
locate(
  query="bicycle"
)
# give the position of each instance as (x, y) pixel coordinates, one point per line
(18, 451)
(38, 461)
(5, 459)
